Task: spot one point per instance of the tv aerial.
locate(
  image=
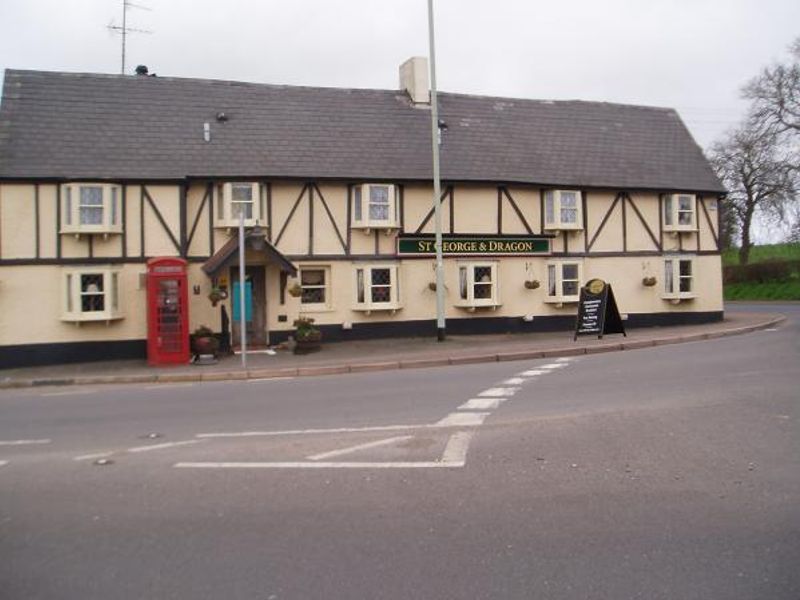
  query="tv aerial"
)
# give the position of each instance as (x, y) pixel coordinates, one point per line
(123, 30)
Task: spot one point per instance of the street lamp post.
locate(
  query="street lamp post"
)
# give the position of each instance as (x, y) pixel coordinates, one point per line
(437, 185)
(242, 305)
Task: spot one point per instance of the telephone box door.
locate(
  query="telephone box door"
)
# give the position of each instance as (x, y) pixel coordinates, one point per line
(168, 312)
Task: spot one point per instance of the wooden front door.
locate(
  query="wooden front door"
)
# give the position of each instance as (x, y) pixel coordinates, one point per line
(255, 307)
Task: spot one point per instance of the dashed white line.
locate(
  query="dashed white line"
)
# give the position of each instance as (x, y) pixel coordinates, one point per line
(319, 465)
(481, 404)
(3, 463)
(352, 449)
(563, 359)
(164, 445)
(533, 373)
(237, 434)
(455, 453)
(93, 456)
(552, 366)
(515, 381)
(22, 442)
(499, 392)
(462, 419)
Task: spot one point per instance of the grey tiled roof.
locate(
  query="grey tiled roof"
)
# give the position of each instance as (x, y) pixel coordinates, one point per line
(127, 127)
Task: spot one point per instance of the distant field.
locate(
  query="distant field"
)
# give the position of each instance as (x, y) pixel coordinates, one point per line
(786, 289)
(762, 253)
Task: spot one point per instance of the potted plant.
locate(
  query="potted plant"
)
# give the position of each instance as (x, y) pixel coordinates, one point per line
(295, 291)
(532, 284)
(648, 281)
(204, 342)
(307, 337)
(215, 295)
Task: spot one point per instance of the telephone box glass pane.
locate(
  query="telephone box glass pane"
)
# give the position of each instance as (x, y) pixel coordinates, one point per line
(169, 315)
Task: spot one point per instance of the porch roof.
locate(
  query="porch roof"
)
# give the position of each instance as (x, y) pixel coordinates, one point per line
(224, 255)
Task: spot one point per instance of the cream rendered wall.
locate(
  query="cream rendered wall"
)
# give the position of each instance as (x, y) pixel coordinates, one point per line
(199, 245)
(295, 237)
(610, 238)
(156, 239)
(638, 238)
(47, 220)
(325, 239)
(17, 221)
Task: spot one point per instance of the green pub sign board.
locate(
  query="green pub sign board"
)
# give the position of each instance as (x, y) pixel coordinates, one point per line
(479, 245)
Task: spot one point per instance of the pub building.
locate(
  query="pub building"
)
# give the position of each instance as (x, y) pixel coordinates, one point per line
(110, 181)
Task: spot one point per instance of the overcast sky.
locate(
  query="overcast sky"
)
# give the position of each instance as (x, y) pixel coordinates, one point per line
(693, 55)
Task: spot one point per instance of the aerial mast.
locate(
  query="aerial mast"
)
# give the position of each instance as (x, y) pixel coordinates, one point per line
(124, 30)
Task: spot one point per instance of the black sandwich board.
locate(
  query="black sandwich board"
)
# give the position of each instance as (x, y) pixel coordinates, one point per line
(597, 311)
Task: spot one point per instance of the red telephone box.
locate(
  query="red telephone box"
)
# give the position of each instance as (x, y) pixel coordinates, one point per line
(167, 311)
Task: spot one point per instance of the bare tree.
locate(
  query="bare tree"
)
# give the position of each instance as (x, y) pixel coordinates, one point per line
(775, 94)
(752, 166)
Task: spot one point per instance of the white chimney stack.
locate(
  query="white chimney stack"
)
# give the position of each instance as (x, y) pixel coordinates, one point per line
(414, 79)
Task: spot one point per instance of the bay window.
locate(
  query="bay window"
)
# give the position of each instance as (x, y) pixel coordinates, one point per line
(237, 199)
(563, 282)
(563, 209)
(375, 206)
(678, 278)
(91, 294)
(679, 212)
(91, 208)
(477, 285)
(377, 288)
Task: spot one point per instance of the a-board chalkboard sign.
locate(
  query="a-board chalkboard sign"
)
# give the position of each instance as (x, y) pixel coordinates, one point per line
(597, 311)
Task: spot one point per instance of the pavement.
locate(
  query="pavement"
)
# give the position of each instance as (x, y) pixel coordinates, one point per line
(385, 354)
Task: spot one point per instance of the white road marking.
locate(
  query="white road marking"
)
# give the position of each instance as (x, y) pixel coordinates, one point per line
(237, 434)
(481, 404)
(167, 386)
(563, 359)
(533, 373)
(164, 445)
(351, 449)
(515, 381)
(499, 392)
(455, 453)
(93, 456)
(22, 442)
(3, 463)
(317, 465)
(772, 329)
(464, 419)
(553, 366)
(69, 392)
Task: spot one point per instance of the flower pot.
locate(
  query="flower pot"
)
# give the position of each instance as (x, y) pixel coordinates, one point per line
(205, 345)
(307, 346)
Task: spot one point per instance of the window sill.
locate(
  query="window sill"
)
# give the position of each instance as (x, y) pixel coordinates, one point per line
(77, 319)
(230, 225)
(387, 228)
(367, 310)
(679, 298)
(677, 230)
(474, 306)
(104, 231)
(559, 301)
(563, 227)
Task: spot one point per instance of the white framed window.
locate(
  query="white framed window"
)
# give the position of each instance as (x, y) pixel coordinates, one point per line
(315, 286)
(680, 212)
(239, 198)
(91, 208)
(477, 285)
(563, 281)
(375, 206)
(563, 209)
(678, 278)
(91, 294)
(377, 287)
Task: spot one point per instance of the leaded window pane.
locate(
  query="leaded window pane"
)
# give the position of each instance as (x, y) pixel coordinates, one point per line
(482, 283)
(313, 283)
(379, 203)
(551, 280)
(381, 289)
(68, 206)
(357, 203)
(570, 271)
(668, 275)
(69, 293)
(570, 288)
(549, 207)
(242, 192)
(668, 210)
(92, 295)
(462, 282)
(91, 205)
(113, 206)
(360, 286)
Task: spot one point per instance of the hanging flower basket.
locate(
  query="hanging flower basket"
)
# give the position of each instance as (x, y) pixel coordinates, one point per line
(649, 281)
(532, 284)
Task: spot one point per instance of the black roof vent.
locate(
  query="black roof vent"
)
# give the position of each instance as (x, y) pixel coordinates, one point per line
(222, 117)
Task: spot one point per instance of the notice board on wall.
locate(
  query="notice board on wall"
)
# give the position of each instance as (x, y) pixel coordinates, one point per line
(597, 311)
